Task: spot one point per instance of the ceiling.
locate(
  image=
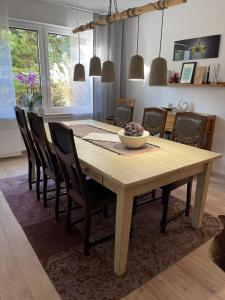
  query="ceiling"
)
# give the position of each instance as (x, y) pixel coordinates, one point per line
(100, 5)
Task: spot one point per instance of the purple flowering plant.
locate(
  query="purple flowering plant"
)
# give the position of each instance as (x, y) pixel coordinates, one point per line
(133, 129)
(30, 81)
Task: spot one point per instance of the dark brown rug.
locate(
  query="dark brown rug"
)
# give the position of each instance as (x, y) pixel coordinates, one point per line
(78, 277)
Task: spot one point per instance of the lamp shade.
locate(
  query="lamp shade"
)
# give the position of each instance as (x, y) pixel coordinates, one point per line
(108, 71)
(79, 73)
(136, 71)
(158, 73)
(95, 66)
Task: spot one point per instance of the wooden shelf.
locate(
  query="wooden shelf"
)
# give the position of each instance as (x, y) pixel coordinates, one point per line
(219, 85)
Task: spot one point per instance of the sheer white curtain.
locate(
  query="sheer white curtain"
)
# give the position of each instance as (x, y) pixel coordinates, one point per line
(105, 94)
(82, 92)
(7, 93)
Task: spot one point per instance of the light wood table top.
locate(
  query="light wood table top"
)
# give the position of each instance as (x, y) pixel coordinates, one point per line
(22, 276)
(130, 176)
(129, 170)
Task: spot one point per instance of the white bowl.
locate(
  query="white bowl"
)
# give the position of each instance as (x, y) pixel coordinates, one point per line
(133, 142)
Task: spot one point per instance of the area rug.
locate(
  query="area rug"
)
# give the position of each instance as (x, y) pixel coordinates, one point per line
(78, 277)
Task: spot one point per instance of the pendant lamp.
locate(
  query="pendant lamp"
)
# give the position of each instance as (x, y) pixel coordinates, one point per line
(95, 62)
(108, 68)
(79, 71)
(158, 73)
(136, 71)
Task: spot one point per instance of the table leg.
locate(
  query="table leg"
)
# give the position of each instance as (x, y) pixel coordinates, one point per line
(123, 224)
(200, 196)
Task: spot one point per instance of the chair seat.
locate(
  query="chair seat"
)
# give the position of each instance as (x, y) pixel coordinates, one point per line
(98, 194)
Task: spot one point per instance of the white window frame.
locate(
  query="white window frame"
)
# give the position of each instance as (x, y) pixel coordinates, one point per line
(43, 30)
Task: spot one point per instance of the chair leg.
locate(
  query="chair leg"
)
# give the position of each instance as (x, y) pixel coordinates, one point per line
(165, 201)
(87, 233)
(30, 169)
(57, 195)
(188, 203)
(105, 212)
(38, 178)
(134, 206)
(69, 208)
(45, 183)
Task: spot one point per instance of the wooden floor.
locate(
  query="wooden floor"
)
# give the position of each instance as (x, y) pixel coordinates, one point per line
(195, 277)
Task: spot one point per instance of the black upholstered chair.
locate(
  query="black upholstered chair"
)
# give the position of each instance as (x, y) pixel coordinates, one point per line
(124, 115)
(48, 159)
(34, 163)
(87, 194)
(188, 129)
(154, 120)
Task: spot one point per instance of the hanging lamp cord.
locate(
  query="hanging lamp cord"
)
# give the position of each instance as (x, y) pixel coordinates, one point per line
(109, 15)
(110, 8)
(160, 5)
(108, 39)
(138, 30)
(78, 34)
(116, 6)
(161, 35)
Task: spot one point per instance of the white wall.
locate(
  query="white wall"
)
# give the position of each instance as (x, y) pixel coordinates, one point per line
(36, 11)
(193, 19)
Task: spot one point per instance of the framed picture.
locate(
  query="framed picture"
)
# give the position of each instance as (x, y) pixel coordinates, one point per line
(197, 48)
(187, 72)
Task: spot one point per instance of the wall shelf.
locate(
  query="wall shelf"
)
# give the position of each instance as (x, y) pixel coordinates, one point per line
(219, 85)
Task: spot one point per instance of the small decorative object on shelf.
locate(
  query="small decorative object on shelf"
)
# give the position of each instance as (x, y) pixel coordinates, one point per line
(173, 77)
(216, 69)
(200, 75)
(183, 105)
(133, 129)
(133, 135)
(187, 72)
(31, 98)
(207, 76)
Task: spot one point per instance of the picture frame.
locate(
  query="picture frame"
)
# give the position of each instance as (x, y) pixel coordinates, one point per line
(188, 72)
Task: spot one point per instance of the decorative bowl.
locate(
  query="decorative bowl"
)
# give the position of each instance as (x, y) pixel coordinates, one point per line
(133, 142)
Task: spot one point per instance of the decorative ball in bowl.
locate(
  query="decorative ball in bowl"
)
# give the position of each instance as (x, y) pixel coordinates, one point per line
(133, 135)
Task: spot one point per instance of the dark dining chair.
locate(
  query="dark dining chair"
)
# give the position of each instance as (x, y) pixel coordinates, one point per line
(154, 120)
(119, 102)
(89, 195)
(124, 115)
(48, 159)
(189, 130)
(34, 163)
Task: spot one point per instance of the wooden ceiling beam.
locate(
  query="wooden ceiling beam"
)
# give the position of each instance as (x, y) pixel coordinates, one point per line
(129, 13)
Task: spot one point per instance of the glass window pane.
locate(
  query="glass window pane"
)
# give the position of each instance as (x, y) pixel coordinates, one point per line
(26, 67)
(60, 69)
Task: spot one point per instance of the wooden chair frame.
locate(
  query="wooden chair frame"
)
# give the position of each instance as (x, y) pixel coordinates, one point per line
(34, 163)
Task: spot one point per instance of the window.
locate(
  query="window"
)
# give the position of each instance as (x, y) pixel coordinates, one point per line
(49, 53)
(60, 69)
(25, 61)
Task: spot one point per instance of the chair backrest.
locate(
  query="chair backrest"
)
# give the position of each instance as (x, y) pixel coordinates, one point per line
(42, 143)
(124, 115)
(25, 132)
(126, 101)
(65, 149)
(189, 128)
(154, 120)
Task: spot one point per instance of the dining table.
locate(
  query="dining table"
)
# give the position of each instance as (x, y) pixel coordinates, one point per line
(137, 173)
